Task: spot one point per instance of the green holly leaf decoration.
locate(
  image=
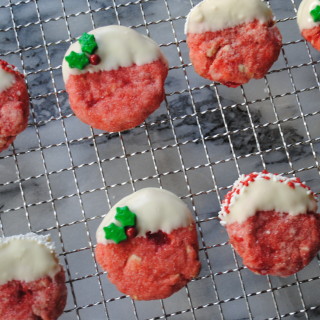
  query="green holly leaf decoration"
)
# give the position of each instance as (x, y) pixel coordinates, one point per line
(315, 13)
(115, 233)
(125, 216)
(88, 43)
(77, 60)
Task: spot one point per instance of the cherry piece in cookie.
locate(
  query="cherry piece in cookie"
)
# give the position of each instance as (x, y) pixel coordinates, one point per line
(272, 223)
(123, 81)
(160, 254)
(32, 282)
(308, 18)
(14, 104)
(232, 43)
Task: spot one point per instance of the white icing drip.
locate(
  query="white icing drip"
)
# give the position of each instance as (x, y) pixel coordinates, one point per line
(155, 209)
(265, 195)
(118, 46)
(7, 79)
(304, 18)
(27, 258)
(213, 15)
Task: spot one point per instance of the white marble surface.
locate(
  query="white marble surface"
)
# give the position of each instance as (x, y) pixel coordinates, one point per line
(61, 176)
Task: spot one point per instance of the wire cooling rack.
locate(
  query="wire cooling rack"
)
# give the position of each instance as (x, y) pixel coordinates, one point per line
(61, 176)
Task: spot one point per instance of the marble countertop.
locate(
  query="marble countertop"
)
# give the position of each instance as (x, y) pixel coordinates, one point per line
(61, 176)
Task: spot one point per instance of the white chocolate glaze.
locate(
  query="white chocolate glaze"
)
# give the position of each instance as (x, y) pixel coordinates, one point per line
(304, 18)
(7, 79)
(118, 46)
(214, 15)
(155, 209)
(266, 192)
(27, 258)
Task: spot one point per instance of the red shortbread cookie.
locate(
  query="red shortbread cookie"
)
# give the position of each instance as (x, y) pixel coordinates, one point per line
(118, 100)
(43, 299)
(152, 267)
(276, 243)
(272, 223)
(114, 77)
(233, 56)
(313, 36)
(14, 104)
(147, 243)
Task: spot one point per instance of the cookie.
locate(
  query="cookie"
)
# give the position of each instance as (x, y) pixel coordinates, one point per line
(114, 77)
(232, 43)
(272, 223)
(148, 244)
(14, 104)
(32, 283)
(308, 19)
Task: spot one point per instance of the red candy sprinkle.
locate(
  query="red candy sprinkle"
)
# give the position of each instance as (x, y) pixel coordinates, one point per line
(131, 232)
(94, 59)
(158, 238)
(291, 185)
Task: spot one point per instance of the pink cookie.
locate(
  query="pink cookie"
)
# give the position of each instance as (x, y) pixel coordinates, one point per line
(272, 223)
(14, 104)
(32, 283)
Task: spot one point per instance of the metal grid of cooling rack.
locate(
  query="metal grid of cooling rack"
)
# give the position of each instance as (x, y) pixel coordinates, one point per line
(61, 176)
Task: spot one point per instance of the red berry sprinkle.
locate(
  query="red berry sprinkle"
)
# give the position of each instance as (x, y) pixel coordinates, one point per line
(291, 185)
(131, 232)
(94, 59)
